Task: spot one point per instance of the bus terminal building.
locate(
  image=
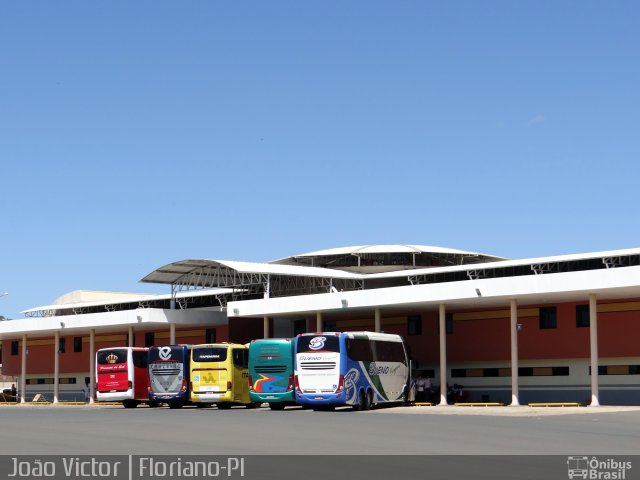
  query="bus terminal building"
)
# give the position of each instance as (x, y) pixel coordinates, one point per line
(553, 329)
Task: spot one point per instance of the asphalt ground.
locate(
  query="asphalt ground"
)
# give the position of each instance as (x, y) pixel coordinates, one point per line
(111, 429)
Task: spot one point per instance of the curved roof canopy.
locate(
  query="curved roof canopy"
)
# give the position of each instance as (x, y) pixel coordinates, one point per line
(384, 258)
(250, 279)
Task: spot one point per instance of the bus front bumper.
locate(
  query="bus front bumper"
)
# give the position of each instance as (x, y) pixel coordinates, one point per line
(212, 397)
(272, 397)
(114, 396)
(179, 397)
(321, 398)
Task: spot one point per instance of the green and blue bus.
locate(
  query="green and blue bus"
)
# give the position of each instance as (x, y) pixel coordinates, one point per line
(271, 372)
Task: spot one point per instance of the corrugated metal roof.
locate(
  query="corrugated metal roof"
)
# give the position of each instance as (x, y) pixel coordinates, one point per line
(506, 263)
(385, 248)
(173, 272)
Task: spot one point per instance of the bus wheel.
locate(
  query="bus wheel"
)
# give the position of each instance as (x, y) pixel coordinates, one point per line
(276, 406)
(177, 405)
(369, 401)
(129, 403)
(360, 406)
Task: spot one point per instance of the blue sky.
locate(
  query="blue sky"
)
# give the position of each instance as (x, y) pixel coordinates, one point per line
(134, 134)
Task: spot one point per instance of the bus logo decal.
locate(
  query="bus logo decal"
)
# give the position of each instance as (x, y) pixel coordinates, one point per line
(112, 358)
(350, 384)
(317, 343)
(164, 353)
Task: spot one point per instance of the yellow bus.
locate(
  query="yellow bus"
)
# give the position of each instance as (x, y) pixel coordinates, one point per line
(219, 374)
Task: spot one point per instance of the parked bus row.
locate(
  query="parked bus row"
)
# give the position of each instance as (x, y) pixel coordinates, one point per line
(316, 370)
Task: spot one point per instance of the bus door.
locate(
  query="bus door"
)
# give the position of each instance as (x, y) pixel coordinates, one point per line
(241, 375)
(140, 374)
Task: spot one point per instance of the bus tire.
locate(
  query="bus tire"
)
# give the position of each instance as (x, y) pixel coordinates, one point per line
(276, 406)
(175, 405)
(129, 403)
(360, 406)
(368, 403)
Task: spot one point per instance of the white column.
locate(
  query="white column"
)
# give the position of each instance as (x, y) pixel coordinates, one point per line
(56, 368)
(172, 334)
(131, 337)
(92, 366)
(378, 321)
(515, 400)
(265, 327)
(23, 379)
(443, 354)
(593, 331)
(319, 322)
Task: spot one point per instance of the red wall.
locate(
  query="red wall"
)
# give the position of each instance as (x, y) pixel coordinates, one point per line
(40, 359)
(471, 340)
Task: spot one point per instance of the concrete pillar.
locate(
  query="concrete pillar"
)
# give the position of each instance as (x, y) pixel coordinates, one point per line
(319, 322)
(23, 378)
(92, 365)
(131, 337)
(172, 334)
(378, 320)
(593, 337)
(56, 368)
(443, 354)
(515, 398)
(265, 327)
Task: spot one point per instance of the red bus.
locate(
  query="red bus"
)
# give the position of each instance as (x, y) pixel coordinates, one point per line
(122, 376)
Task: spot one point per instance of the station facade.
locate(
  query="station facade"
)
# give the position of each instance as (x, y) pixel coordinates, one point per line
(510, 331)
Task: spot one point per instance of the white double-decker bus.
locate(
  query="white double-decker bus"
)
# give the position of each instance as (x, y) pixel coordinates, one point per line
(360, 369)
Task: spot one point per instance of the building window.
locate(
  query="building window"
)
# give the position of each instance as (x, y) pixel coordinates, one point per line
(299, 326)
(617, 370)
(149, 339)
(582, 316)
(62, 345)
(414, 325)
(506, 372)
(548, 318)
(448, 322)
(77, 344)
(14, 347)
(210, 335)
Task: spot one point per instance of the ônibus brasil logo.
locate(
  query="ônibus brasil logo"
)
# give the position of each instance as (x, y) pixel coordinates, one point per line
(596, 469)
(317, 343)
(165, 353)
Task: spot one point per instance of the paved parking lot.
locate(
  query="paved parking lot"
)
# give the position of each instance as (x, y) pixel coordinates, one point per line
(76, 430)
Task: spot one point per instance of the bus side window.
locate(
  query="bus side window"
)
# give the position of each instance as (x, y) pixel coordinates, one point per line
(140, 359)
(238, 356)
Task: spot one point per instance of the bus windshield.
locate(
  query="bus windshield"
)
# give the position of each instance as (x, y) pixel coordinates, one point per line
(165, 354)
(112, 357)
(209, 354)
(318, 343)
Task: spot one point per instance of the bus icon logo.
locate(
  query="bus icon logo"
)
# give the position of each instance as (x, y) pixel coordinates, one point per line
(164, 353)
(578, 467)
(317, 343)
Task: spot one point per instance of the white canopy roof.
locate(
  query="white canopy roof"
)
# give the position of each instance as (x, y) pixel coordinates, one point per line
(386, 248)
